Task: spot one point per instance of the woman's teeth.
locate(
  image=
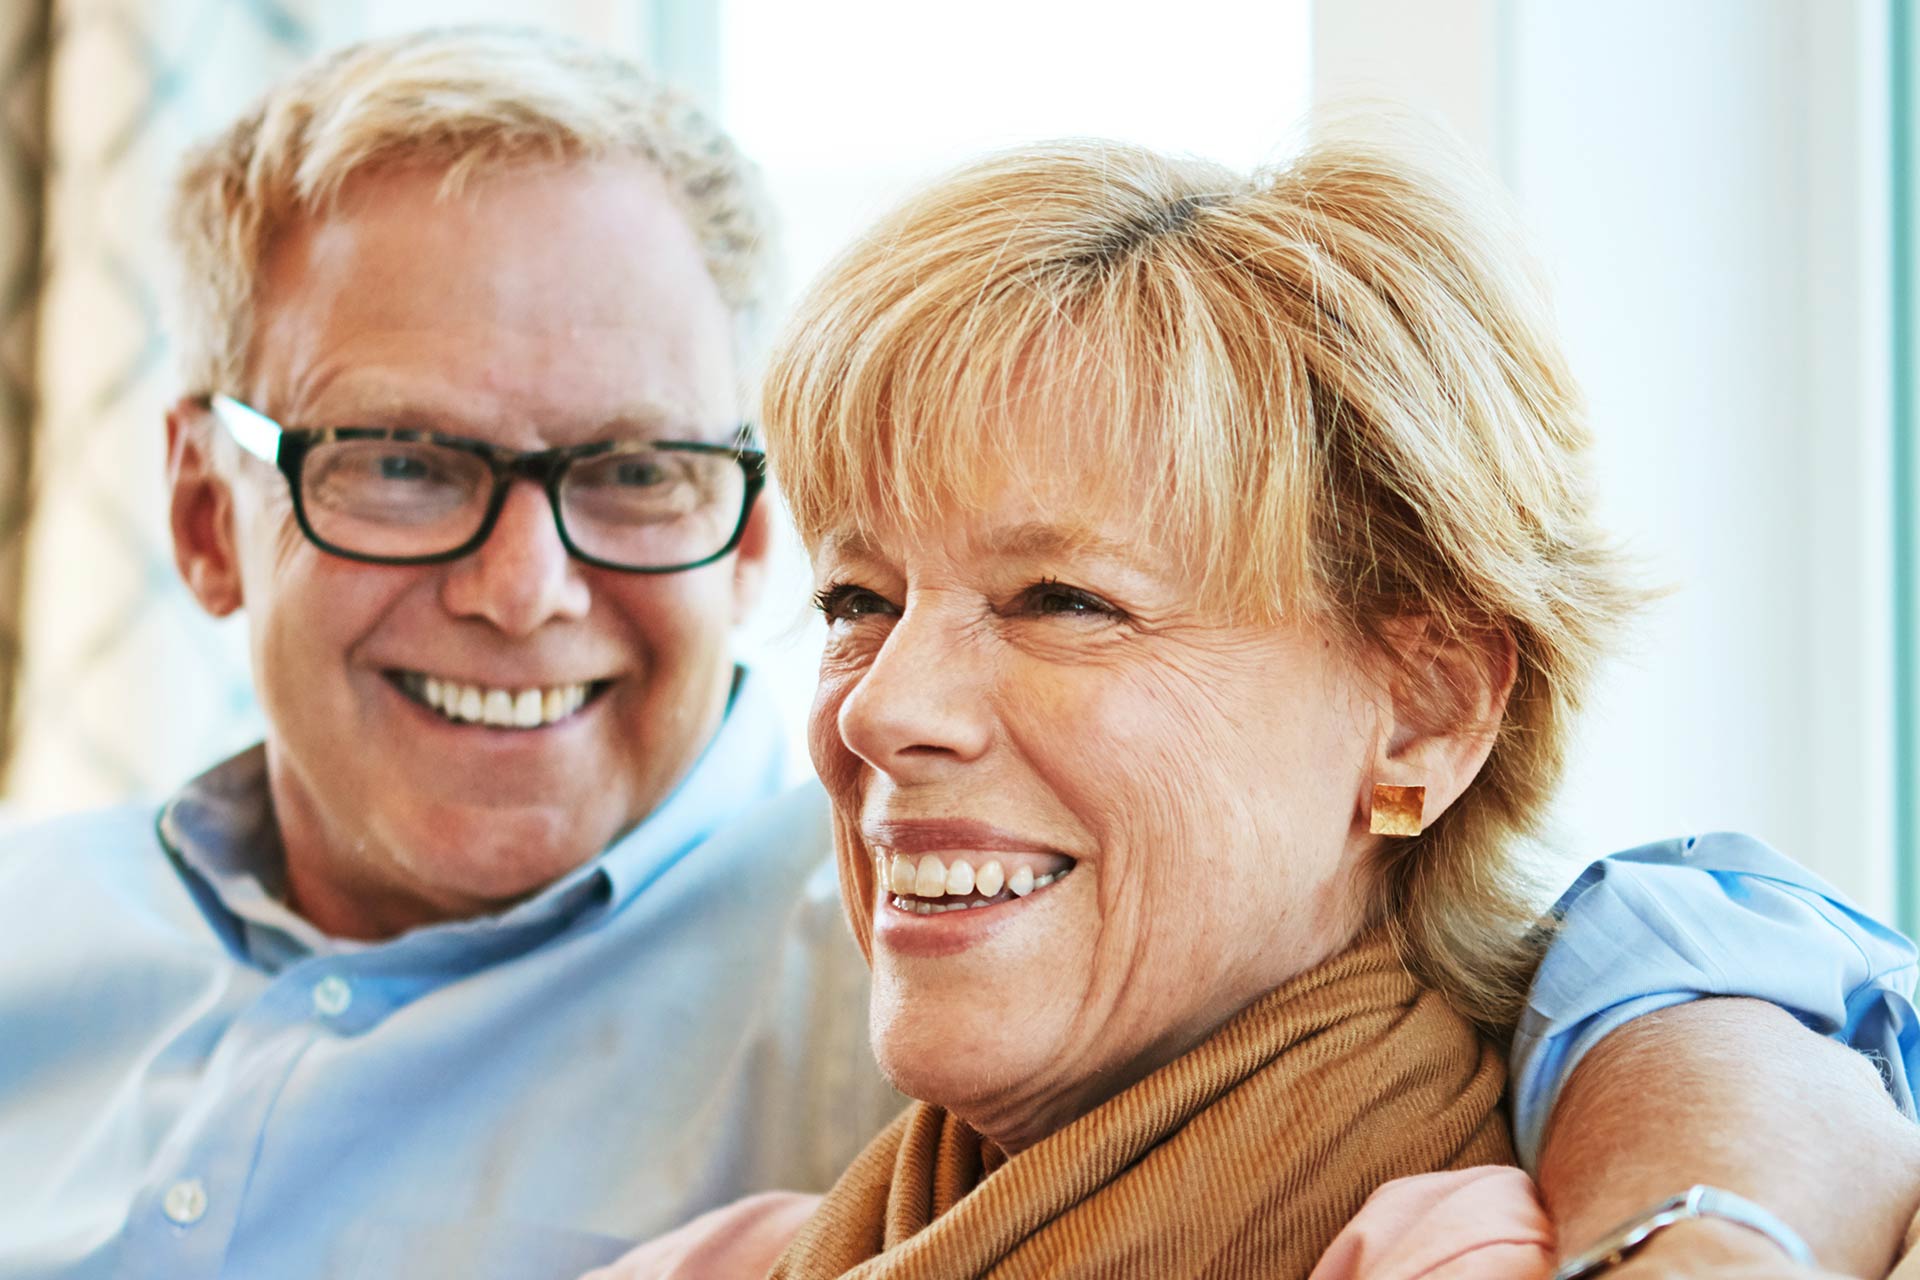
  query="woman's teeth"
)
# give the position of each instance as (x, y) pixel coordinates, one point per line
(914, 884)
(502, 708)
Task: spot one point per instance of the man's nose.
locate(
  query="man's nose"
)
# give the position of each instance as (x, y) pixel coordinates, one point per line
(923, 705)
(521, 577)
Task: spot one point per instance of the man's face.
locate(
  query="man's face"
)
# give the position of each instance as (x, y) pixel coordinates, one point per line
(541, 307)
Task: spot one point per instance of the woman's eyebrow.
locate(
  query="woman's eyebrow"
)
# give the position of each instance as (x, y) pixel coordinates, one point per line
(1037, 538)
(1029, 540)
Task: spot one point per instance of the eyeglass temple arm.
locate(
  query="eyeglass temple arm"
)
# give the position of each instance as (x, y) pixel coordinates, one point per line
(258, 434)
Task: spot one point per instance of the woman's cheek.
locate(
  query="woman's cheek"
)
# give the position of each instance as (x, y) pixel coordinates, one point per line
(836, 766)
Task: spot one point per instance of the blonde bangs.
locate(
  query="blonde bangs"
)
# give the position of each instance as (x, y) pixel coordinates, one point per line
(1335, 386)
(982, 338)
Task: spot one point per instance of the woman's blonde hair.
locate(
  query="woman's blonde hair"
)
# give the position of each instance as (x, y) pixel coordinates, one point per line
(1350, 377)
(467, 101)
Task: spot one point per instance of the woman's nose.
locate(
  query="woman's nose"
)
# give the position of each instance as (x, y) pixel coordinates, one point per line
(922, 705)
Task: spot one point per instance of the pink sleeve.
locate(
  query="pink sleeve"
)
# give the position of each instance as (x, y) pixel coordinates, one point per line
(740, 1239)
(1476, 1224)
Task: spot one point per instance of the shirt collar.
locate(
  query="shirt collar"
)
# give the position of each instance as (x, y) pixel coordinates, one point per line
(743, 764)
(220, 830)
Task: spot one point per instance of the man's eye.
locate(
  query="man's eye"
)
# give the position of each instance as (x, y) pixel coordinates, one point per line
(640, 473)
(400, 466)
(843, 601)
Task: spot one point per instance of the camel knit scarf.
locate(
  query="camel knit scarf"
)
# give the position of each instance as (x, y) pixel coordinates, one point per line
(1242, 1158)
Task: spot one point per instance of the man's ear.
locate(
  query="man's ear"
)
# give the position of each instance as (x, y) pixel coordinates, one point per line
(200, 512)
(751, 557)
(1448, 696)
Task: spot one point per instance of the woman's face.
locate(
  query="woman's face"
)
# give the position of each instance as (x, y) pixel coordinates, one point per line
(1037, 686)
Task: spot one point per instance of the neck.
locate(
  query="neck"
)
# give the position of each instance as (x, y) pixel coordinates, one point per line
(1014, 1122)
(345, 884)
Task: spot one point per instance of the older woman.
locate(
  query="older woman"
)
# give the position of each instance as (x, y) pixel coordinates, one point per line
(1209, 583)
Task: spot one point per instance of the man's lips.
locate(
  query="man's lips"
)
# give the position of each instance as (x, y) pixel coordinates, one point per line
(509, 706)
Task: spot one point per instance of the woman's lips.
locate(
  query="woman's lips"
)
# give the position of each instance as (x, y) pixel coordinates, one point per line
(931, 867)
(932, 885)
(963, 873)
(942, 835)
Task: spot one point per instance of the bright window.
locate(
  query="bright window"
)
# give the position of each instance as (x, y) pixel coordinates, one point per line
(848, 105)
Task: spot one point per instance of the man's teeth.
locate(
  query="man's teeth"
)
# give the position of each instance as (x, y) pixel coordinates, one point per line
(503, 708)
(913, 883)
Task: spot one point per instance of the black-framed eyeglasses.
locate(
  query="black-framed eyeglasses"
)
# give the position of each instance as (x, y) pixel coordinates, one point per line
(403, 496)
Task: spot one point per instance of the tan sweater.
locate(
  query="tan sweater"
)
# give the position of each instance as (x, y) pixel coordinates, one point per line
(1241, 1159)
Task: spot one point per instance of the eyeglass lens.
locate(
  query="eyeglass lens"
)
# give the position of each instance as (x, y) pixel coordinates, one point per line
(639, 505)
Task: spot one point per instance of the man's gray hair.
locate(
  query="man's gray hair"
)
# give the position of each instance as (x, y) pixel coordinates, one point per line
(469, 100)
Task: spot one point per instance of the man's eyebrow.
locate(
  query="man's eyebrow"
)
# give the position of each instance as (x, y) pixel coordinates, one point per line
(644, 419)
(675, 426)
(660, 421)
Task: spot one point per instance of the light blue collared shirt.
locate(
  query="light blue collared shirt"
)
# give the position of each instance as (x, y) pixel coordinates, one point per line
(195, 1082)
(1712, 915)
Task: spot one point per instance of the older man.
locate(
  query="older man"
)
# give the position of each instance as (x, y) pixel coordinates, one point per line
(501, 952)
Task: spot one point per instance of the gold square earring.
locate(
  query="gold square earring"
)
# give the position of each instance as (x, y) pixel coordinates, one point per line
(1396, 810)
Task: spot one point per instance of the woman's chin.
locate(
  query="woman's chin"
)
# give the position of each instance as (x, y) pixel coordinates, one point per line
(968, 1052)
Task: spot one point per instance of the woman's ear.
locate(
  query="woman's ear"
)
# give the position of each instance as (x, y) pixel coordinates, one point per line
(1448, 696)
(200, 513)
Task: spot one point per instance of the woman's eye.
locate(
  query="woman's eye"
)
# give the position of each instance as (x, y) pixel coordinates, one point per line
(842, 601)
(1057, 598)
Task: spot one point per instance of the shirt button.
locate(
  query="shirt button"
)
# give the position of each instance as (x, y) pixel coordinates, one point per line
(185, 1202)
(331, 996)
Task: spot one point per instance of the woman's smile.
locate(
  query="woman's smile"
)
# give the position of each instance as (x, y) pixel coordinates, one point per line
(928, 886)
(908, 926)
(941, 885)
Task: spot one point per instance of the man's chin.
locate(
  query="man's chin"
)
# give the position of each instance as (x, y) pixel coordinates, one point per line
(502, 852)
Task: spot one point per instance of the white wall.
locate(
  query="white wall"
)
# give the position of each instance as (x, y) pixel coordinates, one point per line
(1707, 184)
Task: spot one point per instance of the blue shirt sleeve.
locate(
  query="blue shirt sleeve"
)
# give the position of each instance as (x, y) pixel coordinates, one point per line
(1712, 915)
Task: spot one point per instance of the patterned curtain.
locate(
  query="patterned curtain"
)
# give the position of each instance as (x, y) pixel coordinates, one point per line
(112, 683)
(23, 148)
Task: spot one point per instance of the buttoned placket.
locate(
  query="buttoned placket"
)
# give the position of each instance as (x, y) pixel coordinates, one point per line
(246, 1129)
(184, 1221)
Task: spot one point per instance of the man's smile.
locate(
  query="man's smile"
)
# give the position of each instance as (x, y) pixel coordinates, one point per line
(525, 708)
